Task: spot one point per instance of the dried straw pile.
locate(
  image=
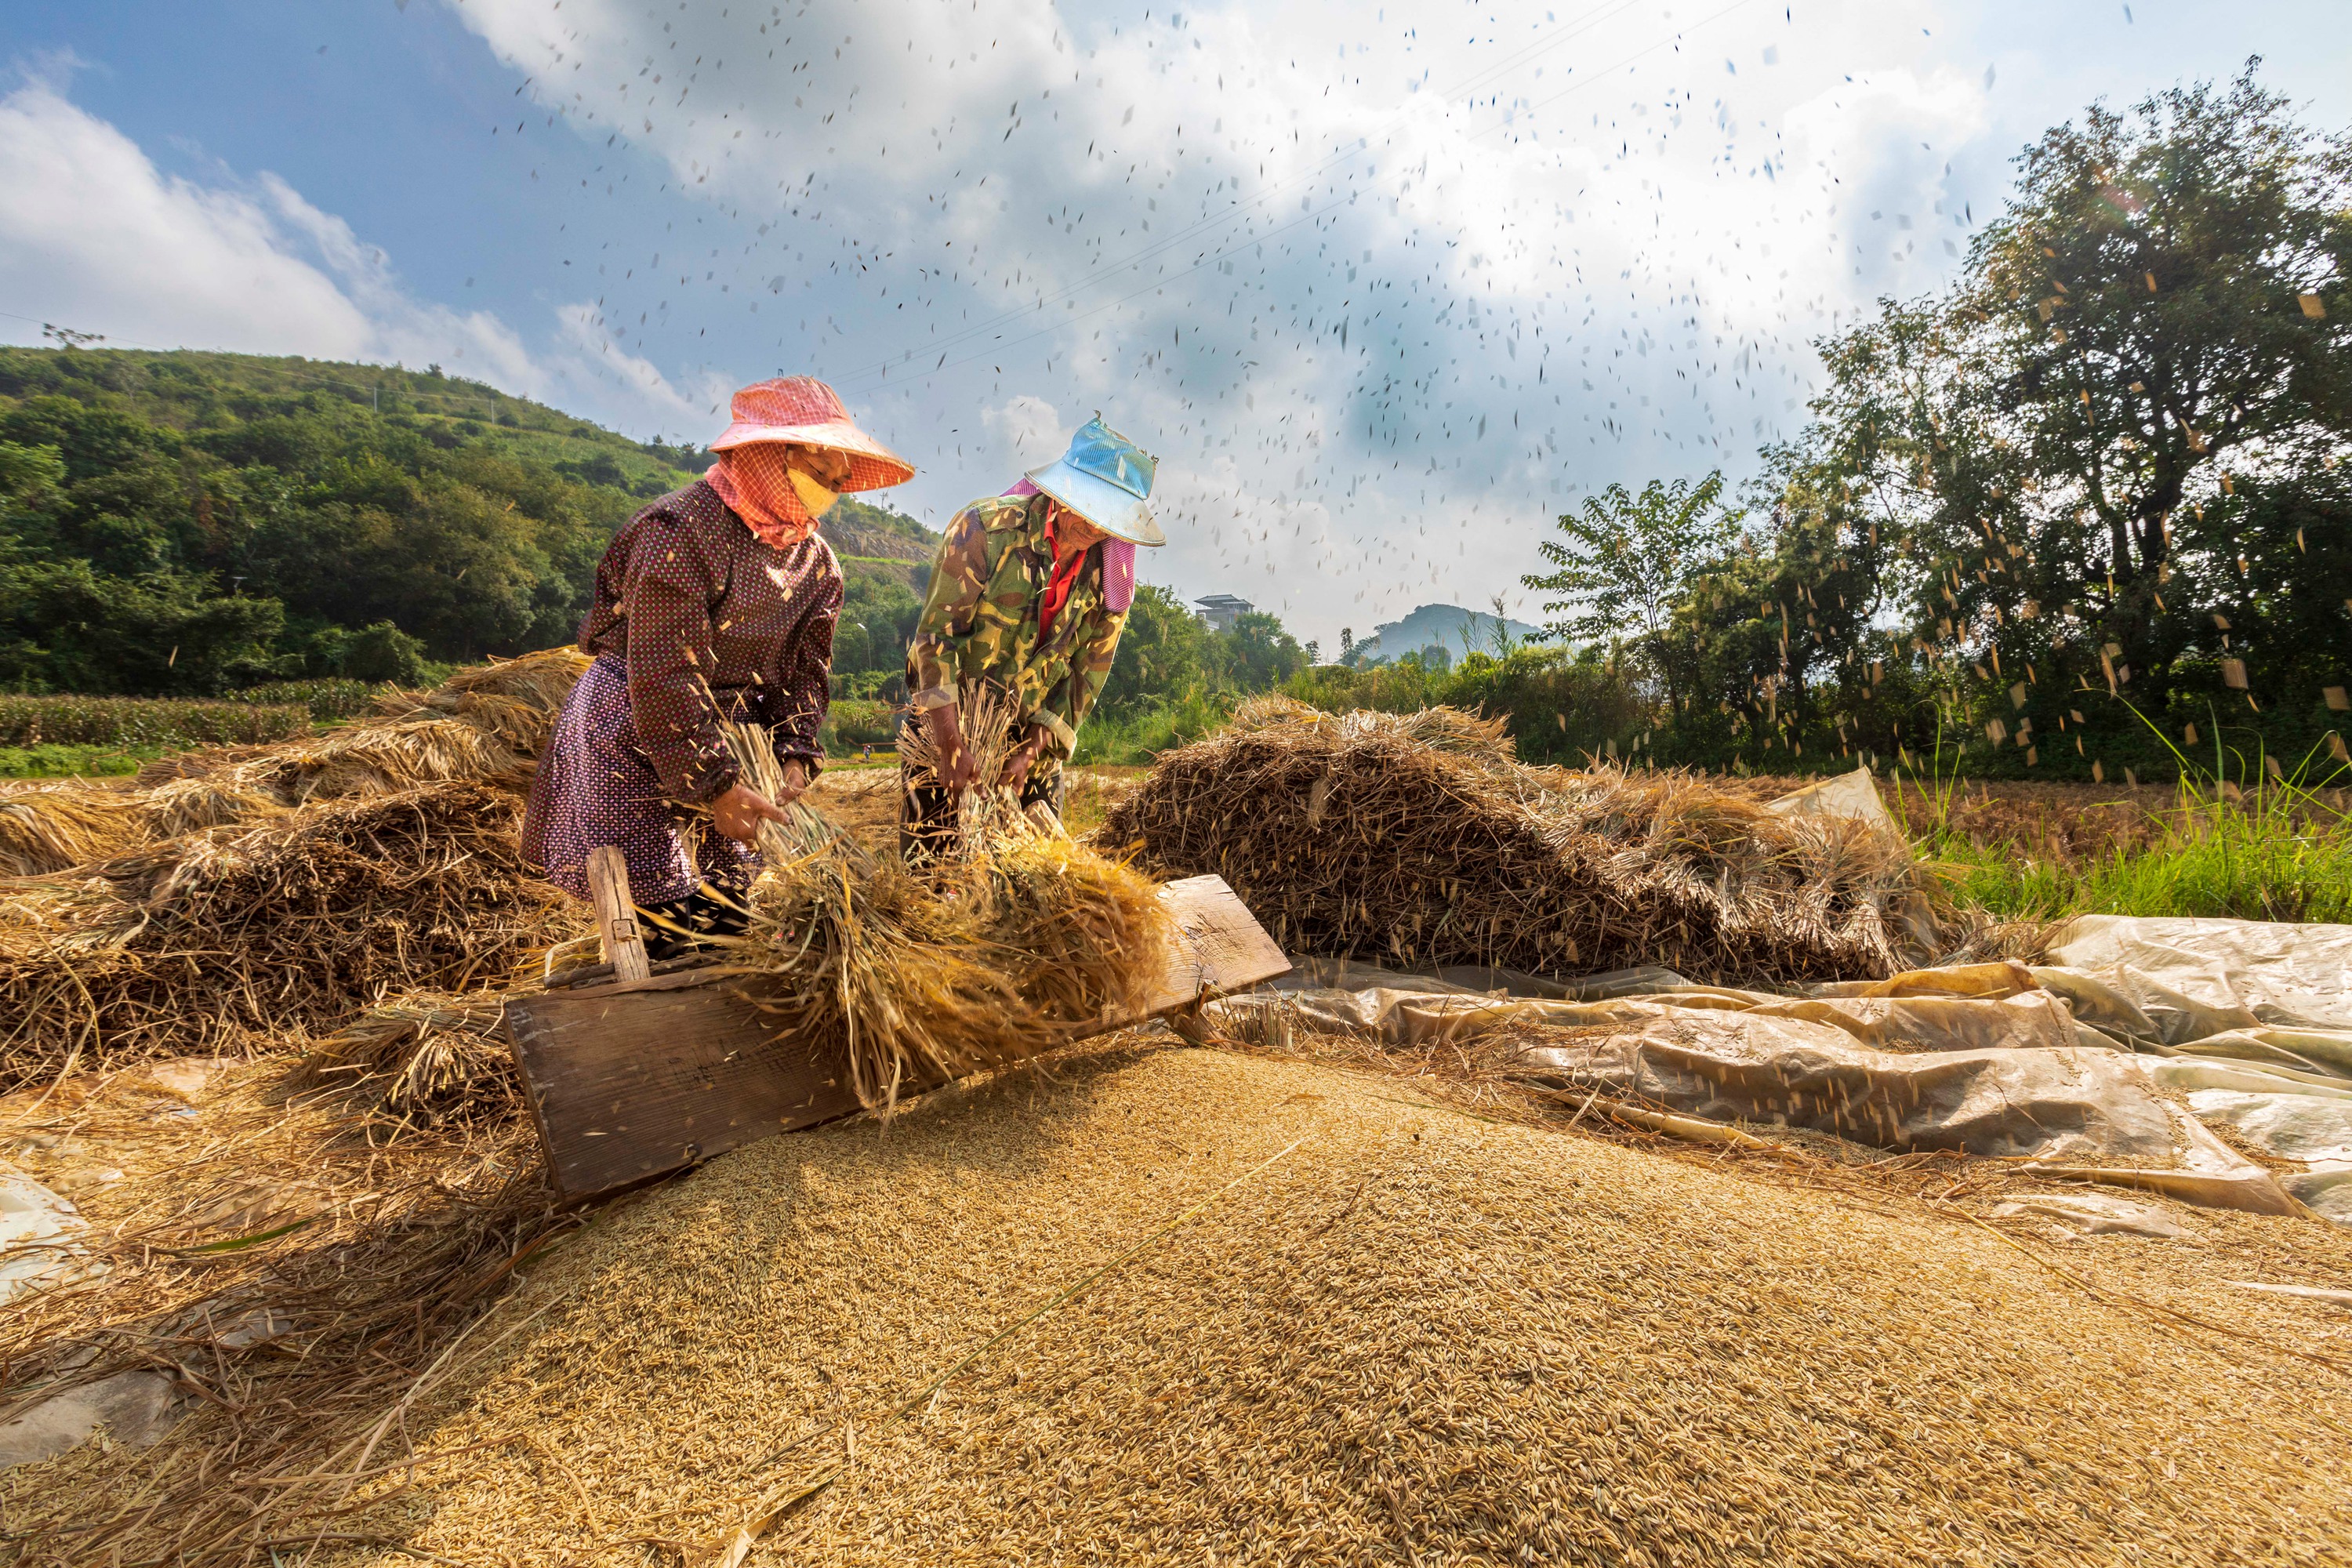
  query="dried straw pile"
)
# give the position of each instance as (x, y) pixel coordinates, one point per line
(485, 725)
(425, 1059)
(1420, 837)
(999, 951)
(1413, 1337)
(255, 932)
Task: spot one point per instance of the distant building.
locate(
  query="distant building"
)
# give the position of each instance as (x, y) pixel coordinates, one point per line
(1222, 610)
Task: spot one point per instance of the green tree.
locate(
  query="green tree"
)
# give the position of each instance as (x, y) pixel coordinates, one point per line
(1162, 652)
(1258, 654)
(1624, 564)
(2148, 352)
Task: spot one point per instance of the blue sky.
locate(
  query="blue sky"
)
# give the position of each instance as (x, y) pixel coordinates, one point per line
(1385, 286)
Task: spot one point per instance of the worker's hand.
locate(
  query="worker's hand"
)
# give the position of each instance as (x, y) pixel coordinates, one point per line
(739, 812)
(796, 780)
(959, 771)
(1017, 765)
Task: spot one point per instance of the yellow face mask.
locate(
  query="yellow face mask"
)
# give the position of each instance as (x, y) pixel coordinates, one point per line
(812, 494)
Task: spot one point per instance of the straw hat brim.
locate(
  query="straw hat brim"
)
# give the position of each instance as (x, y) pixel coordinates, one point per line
(872, 467)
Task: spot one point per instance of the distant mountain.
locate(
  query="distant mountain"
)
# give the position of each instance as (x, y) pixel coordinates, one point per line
(1450, 626)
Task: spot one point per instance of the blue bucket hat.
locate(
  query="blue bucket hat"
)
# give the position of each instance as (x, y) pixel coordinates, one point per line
(1104, 478)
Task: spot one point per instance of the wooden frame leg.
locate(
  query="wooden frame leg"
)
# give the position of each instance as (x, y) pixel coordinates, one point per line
(616, 914)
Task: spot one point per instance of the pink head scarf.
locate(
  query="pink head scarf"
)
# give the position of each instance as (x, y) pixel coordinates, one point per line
(1117, 559)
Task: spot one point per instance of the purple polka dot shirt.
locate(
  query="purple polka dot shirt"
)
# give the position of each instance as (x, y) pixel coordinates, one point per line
(694, 619)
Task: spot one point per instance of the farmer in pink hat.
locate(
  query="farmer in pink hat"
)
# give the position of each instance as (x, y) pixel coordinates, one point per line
(717, 602)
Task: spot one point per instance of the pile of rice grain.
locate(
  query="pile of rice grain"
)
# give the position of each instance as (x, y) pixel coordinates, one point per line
(1420, 839)
(1413, 1337)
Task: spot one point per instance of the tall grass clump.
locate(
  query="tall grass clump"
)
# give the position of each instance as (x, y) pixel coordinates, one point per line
(2273, 847)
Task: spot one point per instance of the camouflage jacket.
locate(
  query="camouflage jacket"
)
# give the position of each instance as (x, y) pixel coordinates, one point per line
(981, 621)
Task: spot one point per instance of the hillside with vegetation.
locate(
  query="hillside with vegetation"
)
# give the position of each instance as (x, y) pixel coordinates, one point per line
(193, 524)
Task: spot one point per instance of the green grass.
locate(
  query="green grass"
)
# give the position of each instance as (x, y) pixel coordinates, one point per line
(56, 761)
(1136, 738)
(2275, 851)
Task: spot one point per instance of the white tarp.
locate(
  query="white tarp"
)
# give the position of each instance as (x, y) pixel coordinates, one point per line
(1855, 1066)
(2195, 978)
(2118, 1057)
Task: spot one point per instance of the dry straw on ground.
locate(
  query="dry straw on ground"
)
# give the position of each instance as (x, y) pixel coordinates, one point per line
(485, 725)
(259, 932)
(1419, 837)
(1266, 1311)
(246, 895)
(292, 1263)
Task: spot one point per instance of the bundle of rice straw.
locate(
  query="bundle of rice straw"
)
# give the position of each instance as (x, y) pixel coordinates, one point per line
(516, 699)
(1018, 939)
(1420, 837)
(255, 932)
(852, 953)
(45, 830)
(487, 723)
(426, 1059)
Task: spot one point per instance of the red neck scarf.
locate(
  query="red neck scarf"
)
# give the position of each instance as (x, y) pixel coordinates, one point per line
(1065, 577)
(757, 487)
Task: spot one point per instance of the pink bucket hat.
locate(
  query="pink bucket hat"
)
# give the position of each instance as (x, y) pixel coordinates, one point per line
(803, 411)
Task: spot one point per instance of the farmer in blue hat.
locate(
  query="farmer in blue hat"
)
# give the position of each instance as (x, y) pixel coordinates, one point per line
(1029, 594)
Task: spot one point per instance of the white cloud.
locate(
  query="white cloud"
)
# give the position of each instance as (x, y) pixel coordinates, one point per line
(92, 236)
(1375, 329)
(1027, 429)
(95, 237)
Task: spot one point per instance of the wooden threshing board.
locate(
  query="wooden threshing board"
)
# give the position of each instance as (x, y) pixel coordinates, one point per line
(628, 1081)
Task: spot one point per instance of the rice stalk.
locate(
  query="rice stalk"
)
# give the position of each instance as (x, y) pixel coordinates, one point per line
(251, 933)
(190, 805)
(854, 956)
(1019, 937)
(425, 1059)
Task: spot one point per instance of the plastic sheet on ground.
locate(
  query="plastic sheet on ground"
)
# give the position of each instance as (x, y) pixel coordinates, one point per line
(40, 1237)
(1963, 1061)
(2193, 979)
(1846, 795)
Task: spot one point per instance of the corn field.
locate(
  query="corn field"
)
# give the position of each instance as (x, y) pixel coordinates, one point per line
(71, 720)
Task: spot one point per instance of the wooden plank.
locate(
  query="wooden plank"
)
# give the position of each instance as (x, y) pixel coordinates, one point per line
(630, 1080)
(617, 913)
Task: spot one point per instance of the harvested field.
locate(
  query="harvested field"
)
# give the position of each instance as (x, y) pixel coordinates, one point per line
(862, 803)
(1160, 1305)
(1419, 837)
(2070, 825)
